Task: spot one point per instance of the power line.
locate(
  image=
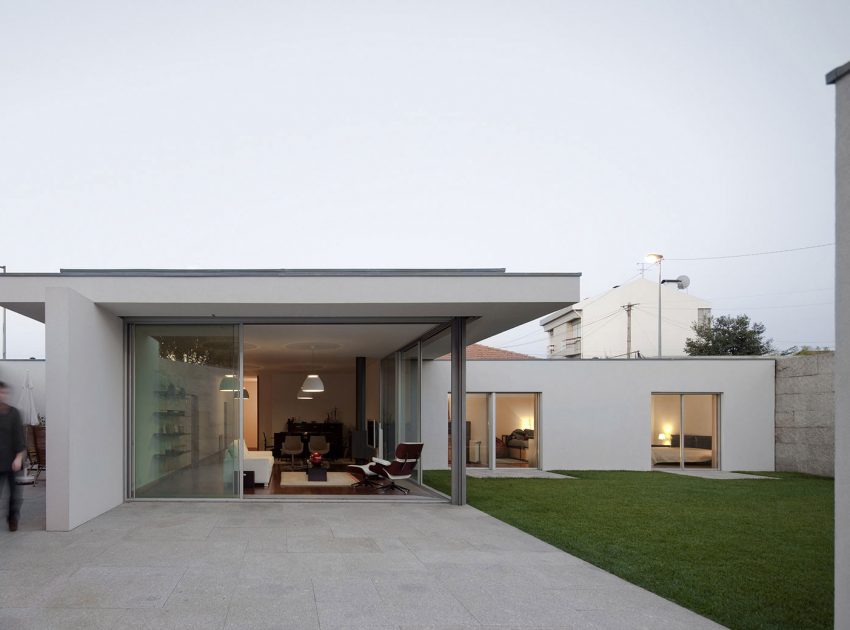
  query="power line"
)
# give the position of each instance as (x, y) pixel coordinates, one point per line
(775, 251)
(739, 297)
(762, 308)
(584, 332)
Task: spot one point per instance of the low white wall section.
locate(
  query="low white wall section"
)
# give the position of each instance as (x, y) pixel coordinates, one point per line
(85, 409)
(13, 372)
(595, 414)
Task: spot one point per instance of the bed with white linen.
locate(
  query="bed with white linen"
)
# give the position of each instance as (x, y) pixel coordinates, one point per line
(671, 454)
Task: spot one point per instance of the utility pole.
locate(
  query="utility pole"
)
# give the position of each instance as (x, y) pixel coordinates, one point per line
(628, 308)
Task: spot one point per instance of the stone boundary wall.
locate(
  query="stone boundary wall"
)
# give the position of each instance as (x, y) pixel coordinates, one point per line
(805, 414)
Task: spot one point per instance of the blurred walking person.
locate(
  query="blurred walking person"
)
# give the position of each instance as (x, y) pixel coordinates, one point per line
(13, 446)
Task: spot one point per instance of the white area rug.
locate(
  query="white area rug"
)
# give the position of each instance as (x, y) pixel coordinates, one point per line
(300, 479)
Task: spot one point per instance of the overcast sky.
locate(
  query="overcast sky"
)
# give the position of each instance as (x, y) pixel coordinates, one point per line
(537, 136)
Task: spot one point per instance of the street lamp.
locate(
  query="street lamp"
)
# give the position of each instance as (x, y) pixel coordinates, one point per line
(682, 282)
(652, 259)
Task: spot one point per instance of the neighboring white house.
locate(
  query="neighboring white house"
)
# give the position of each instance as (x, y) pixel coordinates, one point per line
(623, 322)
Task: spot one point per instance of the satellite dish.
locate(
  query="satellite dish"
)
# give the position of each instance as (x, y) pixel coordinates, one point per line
(683, 282)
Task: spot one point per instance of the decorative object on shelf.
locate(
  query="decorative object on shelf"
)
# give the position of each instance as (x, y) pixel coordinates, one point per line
(316, 458)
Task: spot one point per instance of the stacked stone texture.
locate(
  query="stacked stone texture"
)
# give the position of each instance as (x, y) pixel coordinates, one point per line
(805, 414)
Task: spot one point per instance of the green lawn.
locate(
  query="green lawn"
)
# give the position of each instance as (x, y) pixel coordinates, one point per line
(746, 553)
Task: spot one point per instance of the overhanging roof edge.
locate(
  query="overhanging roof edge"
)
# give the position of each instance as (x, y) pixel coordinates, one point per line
(283, 273)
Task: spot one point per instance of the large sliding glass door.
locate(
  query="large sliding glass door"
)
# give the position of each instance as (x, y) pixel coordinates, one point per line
(187, 396)
(684, 430)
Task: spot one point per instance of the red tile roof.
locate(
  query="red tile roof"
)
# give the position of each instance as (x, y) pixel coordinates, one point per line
(479, 352)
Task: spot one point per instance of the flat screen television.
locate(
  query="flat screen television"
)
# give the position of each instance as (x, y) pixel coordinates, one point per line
(373, 428)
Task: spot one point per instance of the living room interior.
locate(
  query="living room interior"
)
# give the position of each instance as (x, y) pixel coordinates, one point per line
(285, 426)
(318, 401)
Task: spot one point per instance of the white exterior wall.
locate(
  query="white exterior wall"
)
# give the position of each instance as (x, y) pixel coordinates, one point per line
(13, 372)
(85, 409)
(603, 335)
(596, 414)
(842, 356)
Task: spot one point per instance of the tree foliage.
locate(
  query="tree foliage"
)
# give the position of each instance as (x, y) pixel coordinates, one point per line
(728, 336)
(213, 351)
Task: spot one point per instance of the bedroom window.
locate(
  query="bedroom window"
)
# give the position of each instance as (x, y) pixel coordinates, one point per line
(684, 430)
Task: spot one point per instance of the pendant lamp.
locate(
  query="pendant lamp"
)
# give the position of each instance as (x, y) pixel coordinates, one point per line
(302, 395)
(312, 384)
(229, 383)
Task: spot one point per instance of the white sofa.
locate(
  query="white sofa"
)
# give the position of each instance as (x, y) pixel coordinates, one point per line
(260, 462)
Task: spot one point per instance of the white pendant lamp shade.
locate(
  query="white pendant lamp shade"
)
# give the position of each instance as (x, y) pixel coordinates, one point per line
(313, 384)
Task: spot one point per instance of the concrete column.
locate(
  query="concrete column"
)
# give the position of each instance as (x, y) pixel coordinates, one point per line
(85, 409)
(459, 411)
(841, 78)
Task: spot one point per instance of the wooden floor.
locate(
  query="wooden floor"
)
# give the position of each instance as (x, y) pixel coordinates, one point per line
(206, 481)
(275, 488)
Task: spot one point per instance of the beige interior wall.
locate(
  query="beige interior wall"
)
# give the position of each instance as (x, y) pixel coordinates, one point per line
(476, 414)
(373, 379)
(514, 411)
(700, 410)
(278, 400)
(665, 417)
(699, 414)
(249, 415)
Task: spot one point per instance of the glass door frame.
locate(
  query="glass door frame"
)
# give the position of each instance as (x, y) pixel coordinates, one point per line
(718, 398)
(130, 389)
(439, 324)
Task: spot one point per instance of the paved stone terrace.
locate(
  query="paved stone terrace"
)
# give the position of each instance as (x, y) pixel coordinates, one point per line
(307, 566)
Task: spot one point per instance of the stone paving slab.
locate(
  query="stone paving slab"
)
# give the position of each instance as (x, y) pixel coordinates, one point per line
(321, 566)
(711, 474)
(513, 473)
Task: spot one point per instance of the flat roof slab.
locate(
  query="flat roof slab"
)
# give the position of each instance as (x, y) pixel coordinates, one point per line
(494, 300)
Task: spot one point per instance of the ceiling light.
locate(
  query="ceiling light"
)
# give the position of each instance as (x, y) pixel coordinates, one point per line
(313, 384)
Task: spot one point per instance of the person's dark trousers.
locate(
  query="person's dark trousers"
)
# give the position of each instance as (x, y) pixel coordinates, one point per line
(7, 477)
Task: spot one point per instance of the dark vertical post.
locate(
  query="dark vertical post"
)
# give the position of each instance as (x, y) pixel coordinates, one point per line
(360, 395)
(459, 411)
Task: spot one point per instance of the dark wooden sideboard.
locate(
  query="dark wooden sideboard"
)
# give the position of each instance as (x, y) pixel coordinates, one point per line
(334, 432)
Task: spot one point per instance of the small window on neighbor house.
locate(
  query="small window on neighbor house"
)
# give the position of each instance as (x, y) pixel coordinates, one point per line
(703, 315)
